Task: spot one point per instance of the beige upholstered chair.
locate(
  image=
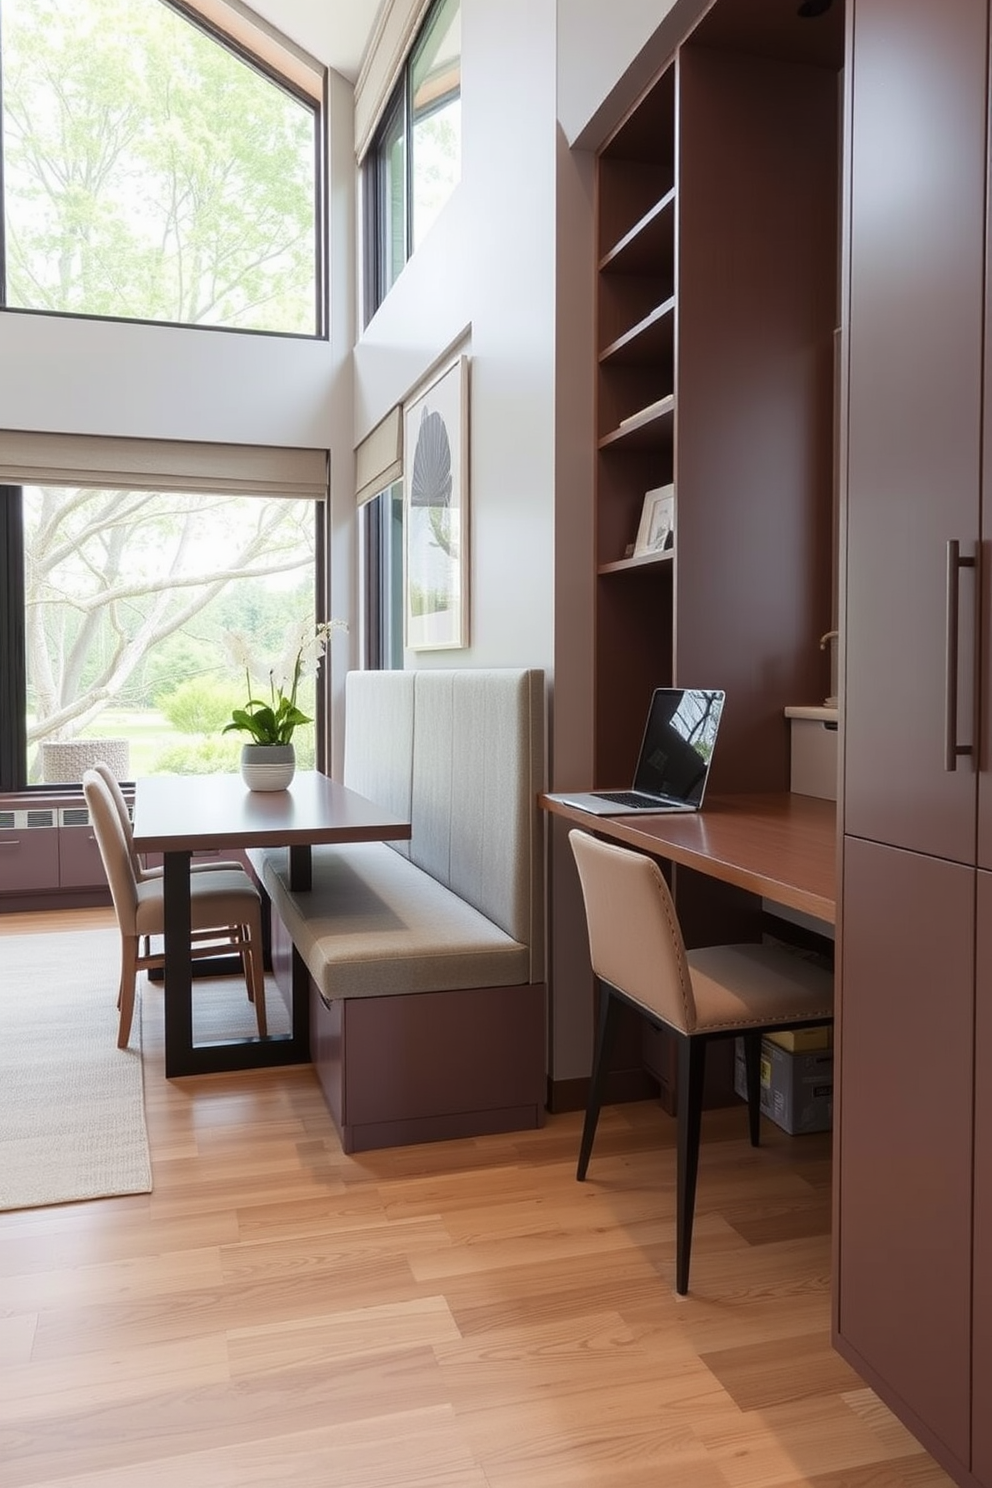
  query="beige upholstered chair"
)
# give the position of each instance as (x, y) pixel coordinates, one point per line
(639, 958)
(225, 909)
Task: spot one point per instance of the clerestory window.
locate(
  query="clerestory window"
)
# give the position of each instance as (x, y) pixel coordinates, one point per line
(414, 161)
(155, 168)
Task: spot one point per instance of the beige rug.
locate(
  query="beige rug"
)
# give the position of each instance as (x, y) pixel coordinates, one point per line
(72, 1120)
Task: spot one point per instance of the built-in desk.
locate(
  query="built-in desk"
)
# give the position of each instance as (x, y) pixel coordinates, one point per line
(781, 846)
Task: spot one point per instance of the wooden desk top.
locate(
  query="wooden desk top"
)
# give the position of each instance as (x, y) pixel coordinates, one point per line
(782, 846)
(191, 812)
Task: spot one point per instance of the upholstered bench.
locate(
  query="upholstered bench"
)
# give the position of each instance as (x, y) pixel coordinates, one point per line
(425, 959)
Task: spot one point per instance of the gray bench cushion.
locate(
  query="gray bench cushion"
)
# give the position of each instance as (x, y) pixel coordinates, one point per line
(375, 925)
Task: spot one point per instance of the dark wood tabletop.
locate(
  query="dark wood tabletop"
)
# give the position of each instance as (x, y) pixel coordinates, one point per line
(782, 845)
(196, 812)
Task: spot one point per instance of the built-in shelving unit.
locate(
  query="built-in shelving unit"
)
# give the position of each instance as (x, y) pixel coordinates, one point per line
(636, 331)
(716, 309)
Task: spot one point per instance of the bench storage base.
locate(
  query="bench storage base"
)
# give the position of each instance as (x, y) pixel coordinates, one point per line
(430, 1066)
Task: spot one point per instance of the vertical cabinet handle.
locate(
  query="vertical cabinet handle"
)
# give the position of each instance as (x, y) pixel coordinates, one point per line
(953, 750)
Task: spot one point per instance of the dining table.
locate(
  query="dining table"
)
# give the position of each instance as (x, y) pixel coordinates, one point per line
(179, 815)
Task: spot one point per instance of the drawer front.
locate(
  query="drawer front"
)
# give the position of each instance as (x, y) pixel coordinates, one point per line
(29, 859)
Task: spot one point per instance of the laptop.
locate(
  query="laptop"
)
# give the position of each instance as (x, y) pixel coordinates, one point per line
(674, 762)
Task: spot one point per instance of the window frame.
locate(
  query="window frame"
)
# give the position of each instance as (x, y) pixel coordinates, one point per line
(319, 110)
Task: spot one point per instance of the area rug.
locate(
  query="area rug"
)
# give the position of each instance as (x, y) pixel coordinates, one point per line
(72, 1119)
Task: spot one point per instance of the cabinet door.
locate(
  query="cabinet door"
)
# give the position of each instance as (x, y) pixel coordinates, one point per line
(29, 859)
(981, 1465)
(80, 864)
(904, 1149)
(917, 168)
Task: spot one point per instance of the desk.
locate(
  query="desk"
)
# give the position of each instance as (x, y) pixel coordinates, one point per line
(781, 846)
(177, 815)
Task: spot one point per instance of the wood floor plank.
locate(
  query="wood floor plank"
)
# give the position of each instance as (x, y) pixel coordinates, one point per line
(759, 1375)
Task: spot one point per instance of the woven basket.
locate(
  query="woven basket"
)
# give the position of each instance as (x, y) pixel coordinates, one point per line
(65, 761)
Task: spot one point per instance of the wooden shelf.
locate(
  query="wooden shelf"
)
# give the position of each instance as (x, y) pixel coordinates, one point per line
(646, 560)
(649, 429)
(649, 246)
(650, 340)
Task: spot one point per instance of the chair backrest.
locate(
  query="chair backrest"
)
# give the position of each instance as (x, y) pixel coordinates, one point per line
(117, 796)
(115, 852)
(635, 942)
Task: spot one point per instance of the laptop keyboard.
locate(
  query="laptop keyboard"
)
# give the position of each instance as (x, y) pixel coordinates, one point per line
(629, 798)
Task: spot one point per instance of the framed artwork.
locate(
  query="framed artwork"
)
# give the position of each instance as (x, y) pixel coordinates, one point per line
(656, 531)
(435, 513)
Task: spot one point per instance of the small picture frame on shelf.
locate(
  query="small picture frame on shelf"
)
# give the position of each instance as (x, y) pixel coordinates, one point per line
(656, 532)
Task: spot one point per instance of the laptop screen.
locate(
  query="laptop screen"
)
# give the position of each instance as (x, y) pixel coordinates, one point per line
(678, 743)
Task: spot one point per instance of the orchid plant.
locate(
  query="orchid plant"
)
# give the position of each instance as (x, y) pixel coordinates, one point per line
(273, 722)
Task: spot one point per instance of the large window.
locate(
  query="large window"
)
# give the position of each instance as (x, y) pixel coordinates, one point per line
(414, 161)
(153, 170)
(118, 617)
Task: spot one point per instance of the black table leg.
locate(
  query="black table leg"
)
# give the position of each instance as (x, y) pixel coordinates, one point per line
(178, 967)
(181, 1056)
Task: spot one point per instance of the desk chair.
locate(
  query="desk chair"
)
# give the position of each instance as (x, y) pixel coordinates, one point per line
(638, 957)
(225, 909)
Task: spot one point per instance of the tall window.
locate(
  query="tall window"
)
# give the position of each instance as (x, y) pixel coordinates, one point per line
(414, 161)
(152, 171)
(128, 599)
(381, 568)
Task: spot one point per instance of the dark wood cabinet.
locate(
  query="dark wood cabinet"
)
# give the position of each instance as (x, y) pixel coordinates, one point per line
(913, 1306)
(904, 1135)
(29, 858)
(80, 864)
(917, 244)
(981, 1449)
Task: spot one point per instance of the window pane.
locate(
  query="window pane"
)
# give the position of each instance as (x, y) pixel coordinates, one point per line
(151, 174)
(128, 596)
(435, 116)
(393, 575)
(393, 188)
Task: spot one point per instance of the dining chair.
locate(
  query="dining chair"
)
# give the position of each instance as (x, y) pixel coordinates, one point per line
(717, 992)
(225, 909)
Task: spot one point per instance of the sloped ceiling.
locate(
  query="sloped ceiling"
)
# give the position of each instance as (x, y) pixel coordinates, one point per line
(334, 31)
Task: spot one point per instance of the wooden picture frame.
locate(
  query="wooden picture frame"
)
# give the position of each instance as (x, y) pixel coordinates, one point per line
(656, 531)
(435, 513)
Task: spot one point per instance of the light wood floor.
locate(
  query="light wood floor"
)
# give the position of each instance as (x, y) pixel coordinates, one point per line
(458, 1315)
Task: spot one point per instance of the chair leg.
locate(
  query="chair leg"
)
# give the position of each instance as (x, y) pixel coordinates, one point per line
(241, 935)
(609, 1014)
(692, 1066)
(125, 995)
(752, 1070)
(251, 958)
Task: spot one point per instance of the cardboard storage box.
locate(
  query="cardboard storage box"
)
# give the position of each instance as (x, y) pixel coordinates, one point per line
(802, 1040)
(797, 1089)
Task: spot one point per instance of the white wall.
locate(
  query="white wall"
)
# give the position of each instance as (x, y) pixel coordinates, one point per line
(609, 53)
(485, 277)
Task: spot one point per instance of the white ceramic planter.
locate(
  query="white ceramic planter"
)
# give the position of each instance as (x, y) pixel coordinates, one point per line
(267, 767)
